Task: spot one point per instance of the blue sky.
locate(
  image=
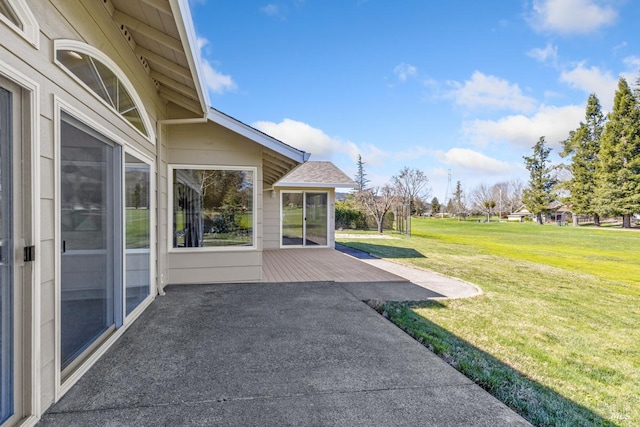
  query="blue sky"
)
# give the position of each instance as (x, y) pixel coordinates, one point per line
(465, 87)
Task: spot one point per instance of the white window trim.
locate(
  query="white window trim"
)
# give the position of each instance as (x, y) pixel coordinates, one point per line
(152, 234)
(254, 245)
(62, 387)
(30, 29)
(304, 213)
(33, 98)
(89, 50)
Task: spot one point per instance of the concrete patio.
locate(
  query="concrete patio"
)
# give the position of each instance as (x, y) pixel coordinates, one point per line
(302, 353)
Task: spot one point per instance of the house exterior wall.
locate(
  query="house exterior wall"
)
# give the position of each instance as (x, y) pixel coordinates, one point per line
(272, 215)
(271, 212)
(93, 26)
(209, 144)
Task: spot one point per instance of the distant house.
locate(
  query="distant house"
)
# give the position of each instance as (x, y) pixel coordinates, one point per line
(559, 212)
(554, 212)
(520, 215)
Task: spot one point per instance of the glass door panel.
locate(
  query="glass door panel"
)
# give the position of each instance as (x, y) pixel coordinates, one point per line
(137, 179)
(292, 219)
(91, 269)
(6, 259)
(316, 219)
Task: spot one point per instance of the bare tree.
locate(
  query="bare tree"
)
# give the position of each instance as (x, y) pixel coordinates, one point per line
(514, 198)
(411, 185)
(484, 198)
(378, 201)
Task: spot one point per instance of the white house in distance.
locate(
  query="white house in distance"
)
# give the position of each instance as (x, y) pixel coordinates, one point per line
(116, 179)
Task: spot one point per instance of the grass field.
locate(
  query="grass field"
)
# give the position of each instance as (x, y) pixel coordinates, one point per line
(556, 334)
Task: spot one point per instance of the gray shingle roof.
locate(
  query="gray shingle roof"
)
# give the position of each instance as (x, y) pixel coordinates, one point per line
(316, 174)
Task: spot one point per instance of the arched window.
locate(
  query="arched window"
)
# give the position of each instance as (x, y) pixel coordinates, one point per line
(17, 15)
(104, 78)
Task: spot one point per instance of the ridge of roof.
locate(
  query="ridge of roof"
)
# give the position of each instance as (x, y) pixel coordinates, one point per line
(316, 174)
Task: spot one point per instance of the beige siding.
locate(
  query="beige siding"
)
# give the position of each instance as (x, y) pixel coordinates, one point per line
(271, 219)
(92, 25)
(210, 144)
(215, 267)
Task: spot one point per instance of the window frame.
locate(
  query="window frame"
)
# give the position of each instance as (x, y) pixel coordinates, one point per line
(170, 211)
(152, 231)
(64, 383)
(85, 49)
(30, 30)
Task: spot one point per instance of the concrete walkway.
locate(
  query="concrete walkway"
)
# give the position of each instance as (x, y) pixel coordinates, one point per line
(441, 286)
(278, 354)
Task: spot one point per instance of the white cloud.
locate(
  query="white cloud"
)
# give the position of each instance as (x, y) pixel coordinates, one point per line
(271, 9)
(484, 91)
(547, 54)
(312, 140)
(216, 81)
(554, 123)
(632, 62)
(571, 16)
(592, 80)
(404, 71)
(474, 161)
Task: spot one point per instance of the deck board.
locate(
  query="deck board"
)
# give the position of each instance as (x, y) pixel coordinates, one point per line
(319, 265)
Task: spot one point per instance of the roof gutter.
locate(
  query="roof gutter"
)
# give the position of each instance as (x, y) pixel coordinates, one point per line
(258, 136)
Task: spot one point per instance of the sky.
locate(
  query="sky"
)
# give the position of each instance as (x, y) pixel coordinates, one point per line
(456, 88)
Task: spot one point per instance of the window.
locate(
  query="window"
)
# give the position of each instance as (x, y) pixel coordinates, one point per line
(10, 14)
(104, 79)
(213, 207)
(137, 183)
(17, 16)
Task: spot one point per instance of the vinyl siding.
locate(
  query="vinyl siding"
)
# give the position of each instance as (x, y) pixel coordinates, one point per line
(210, 144)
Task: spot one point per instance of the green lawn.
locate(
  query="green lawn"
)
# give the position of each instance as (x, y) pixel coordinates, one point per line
(556, 334)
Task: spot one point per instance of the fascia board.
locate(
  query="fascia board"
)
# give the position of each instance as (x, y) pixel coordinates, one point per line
(257, 136)
(313, 185)
(184, 22)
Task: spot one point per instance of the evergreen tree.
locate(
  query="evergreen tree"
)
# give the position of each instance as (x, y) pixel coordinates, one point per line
(618, 172)
(361, 176)
(538, 196)
(458, 202)
(583, 145)
(435, 206)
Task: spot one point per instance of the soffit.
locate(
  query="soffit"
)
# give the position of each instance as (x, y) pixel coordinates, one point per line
(275, 166)
(156, 32)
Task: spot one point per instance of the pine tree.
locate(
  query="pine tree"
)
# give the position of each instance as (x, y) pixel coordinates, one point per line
(361, 176)
(618, 172)
(458, 203)
(435, 206)
(583, 145)
(538, 196)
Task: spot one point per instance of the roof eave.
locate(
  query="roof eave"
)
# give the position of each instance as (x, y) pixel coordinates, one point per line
(184, 22)
(257, 136)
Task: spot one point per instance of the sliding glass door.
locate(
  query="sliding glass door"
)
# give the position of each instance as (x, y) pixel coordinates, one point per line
(91, 232)
(6, 259)
(304, 217)
(316, 219)
(138, 231)
(15, 268)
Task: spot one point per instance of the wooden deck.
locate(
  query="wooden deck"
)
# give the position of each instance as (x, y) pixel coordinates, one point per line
(319, 265)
